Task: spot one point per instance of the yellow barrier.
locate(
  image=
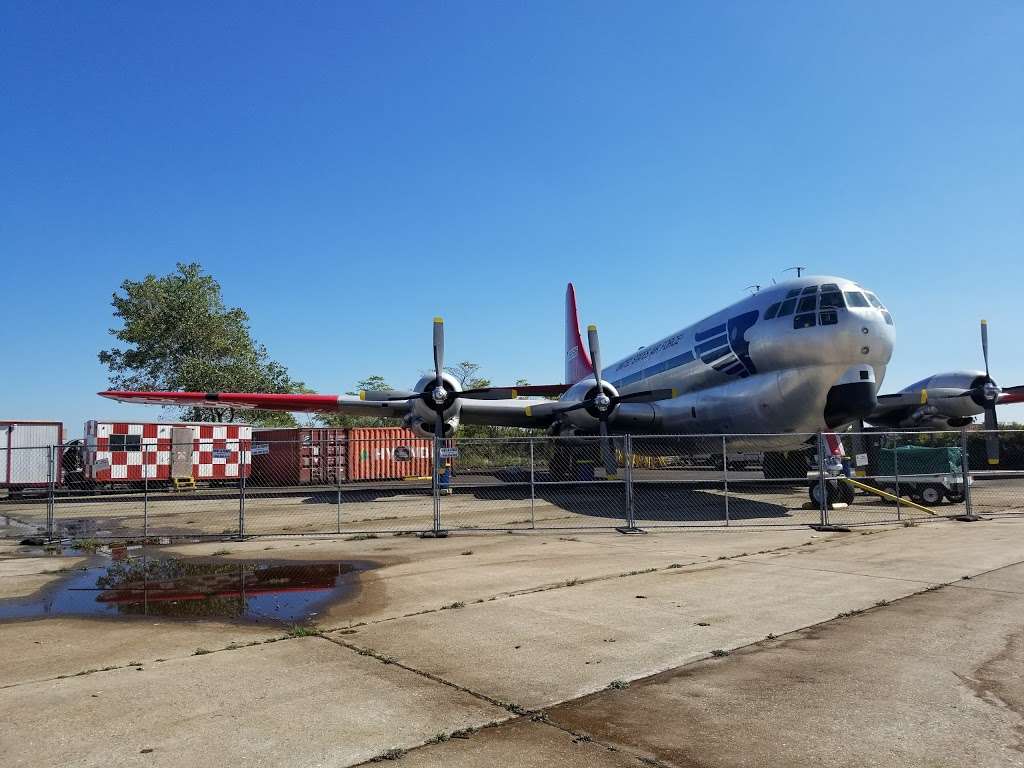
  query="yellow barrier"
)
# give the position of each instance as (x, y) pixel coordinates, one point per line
(886, 495)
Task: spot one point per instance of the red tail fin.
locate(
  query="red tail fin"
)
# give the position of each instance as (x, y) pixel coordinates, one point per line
(577, 359)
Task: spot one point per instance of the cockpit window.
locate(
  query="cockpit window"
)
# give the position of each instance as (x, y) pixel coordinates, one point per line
(832, 300)
(809, 289)
(856, 299)
(807, 304)
(888, 317)
(787, 307)
(829, 287)
(874, 301)
(793, 293)
(772, 311)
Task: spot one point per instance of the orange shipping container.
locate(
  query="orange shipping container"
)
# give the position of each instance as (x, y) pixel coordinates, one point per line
(334, 455)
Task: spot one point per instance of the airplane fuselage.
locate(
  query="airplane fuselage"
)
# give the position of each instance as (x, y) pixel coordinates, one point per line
(796, 358)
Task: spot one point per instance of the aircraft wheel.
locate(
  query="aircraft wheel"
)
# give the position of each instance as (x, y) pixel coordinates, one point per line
(831, 492)
(932, 495)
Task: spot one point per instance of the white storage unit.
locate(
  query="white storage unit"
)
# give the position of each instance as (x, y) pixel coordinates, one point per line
(25, 451)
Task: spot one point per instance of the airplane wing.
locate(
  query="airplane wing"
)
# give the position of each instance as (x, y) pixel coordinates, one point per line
(506, 412)
(264, 401)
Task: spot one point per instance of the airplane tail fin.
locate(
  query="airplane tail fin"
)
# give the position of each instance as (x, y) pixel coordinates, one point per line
(577, 359)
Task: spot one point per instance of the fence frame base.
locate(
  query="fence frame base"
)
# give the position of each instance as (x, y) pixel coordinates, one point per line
(829, 528)
(439, 534)
(630, 529)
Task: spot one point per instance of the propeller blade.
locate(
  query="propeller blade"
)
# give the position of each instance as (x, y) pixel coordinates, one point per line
(991, 435)
(1011, 395)
(386, 395)
(595, 353)
(574, 407)
(611, 465)
(438, 349)
(984, 344)
(439, 426)
(510, 393)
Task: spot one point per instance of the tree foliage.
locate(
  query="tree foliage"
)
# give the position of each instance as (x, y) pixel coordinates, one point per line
(179, 335)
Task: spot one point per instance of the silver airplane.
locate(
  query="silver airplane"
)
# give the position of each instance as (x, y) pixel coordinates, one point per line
(949, 400)
(799, 357)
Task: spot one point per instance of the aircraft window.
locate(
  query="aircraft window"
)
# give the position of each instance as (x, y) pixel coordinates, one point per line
(874, 301)
(126, 442)
(832, 299)
(807, 304)
(809, 289)
(787, 307)
(828, 317)
(856, 299)
(804, 321)
(793, 293)
(888, 317)
(829, 287)
(772, 311)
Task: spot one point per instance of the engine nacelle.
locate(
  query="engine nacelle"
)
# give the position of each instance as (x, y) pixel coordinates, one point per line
(584, 419)
(422, 417)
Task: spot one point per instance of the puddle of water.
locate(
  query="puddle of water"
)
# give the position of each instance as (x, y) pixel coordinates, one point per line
(169, 587)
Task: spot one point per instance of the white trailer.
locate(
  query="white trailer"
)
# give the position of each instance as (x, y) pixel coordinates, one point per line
(30, 453)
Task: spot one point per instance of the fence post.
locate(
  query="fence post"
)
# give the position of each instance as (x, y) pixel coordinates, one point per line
(435, 531)
(896, 472)
(627, 457)
(822, 483)
(965, 468)
(533, 494)
(337, 479)
(145, 492)
(725, 478)
(241, 499)
(51, 471)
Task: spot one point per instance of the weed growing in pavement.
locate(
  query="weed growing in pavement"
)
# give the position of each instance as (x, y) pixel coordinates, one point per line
(201, 652)
(220, 552)
(456, 604)
(362, 537)
(439, 738)
(391, 754)
(718, 653)
(571, 582)
(299, 631)
(464, 733)
(618, 685)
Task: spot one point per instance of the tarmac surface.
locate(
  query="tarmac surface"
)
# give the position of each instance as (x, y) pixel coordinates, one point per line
(678, 648)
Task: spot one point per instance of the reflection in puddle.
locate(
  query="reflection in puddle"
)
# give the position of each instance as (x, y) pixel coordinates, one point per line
(249, 590)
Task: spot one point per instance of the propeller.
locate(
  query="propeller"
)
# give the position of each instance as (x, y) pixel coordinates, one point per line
(986, 393)
(601, 405)
(439, 398)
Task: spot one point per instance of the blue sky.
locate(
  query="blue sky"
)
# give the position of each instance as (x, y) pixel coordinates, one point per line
(348, 171)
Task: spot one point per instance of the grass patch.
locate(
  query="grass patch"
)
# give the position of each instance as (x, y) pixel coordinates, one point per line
(571, 582)
(719, 653)
(201, 652)
(220, 552)
(363, 537)
(618, 685)
(453, 606)
(676, 565)
(464, 733)
(300, 631)
(391, 754)
(86, 545)
(438, 738)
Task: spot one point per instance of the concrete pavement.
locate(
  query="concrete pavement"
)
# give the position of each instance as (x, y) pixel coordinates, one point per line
(428, 647)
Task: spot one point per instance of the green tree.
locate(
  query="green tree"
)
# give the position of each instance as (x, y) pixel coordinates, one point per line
(179, 335)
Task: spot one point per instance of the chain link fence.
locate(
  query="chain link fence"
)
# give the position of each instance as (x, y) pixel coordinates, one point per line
(360, 487)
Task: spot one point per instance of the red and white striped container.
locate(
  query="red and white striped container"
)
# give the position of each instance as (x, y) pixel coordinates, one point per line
(126, 452)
